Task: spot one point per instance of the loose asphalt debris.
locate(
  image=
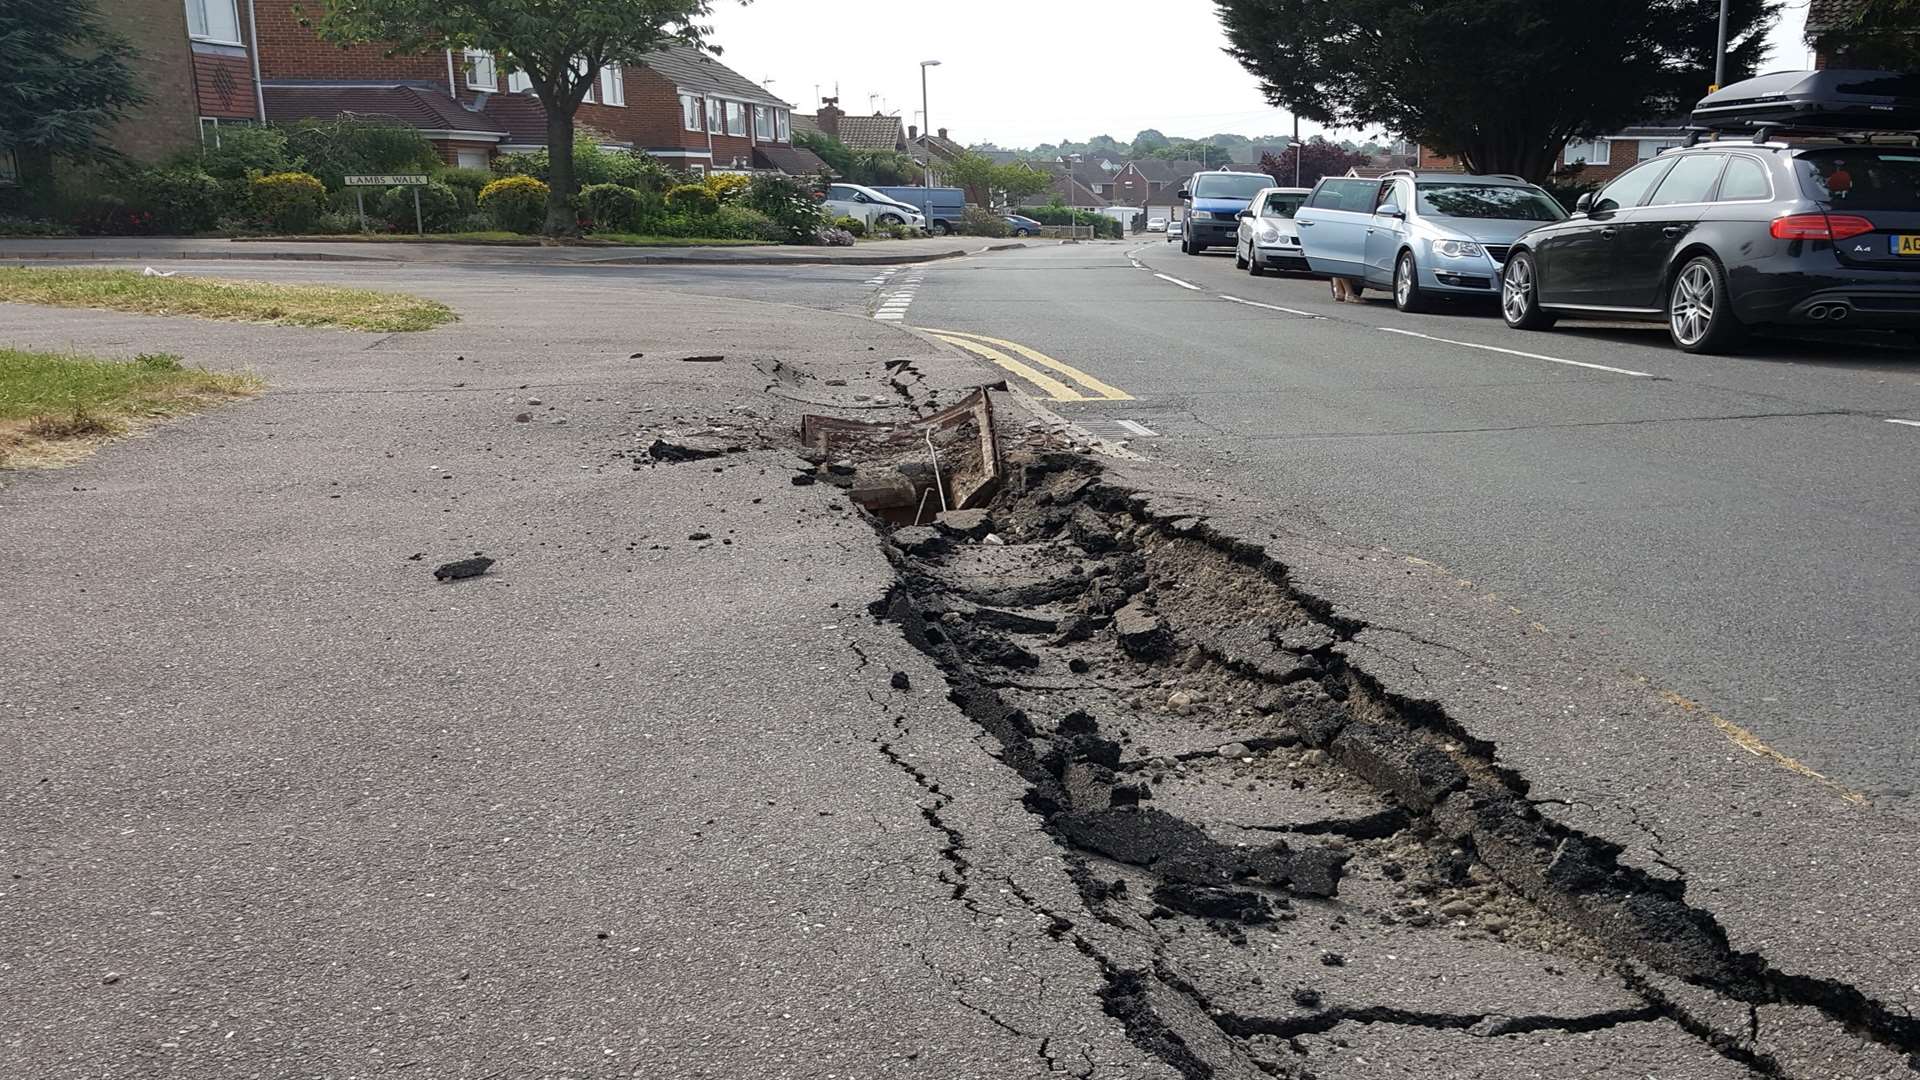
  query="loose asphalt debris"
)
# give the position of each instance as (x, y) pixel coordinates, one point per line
(1277, 851)
(462, 568)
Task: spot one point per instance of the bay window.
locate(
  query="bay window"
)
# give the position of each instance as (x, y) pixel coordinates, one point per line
(690, 112)
(783, 131)
(736, 118)
(763, 123)
(713, 116)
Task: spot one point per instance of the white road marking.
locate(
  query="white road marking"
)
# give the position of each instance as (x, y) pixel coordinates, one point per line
(1136, 428)
(1137, 264)
(1517, 352)
(1178, 282)
(890, 316)
(1909, 423)
(1270, 307)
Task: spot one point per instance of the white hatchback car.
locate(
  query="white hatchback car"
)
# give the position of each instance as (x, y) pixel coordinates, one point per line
(1175, 229)
(871, 207)
(1268, 239)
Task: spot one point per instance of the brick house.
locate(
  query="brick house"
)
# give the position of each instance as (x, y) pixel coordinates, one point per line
(1149, 182)
(679, 104)
(881, 131)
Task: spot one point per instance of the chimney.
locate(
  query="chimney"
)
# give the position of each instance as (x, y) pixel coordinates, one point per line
(912, 132)
(828, 119)
(943, 133)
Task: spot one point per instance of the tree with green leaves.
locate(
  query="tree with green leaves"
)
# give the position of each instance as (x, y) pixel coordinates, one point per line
(1501, 84)
(64, 80)
(560, 48)
(1868, 33)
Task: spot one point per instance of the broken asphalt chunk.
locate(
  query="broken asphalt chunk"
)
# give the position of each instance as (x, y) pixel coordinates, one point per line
(689, 448)
(462, 568)
(922, 540)
(1142, 632)
(972, 524)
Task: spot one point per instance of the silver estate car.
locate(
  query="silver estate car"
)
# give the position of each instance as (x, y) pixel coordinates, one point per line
(1422, 235)
(1267, 239)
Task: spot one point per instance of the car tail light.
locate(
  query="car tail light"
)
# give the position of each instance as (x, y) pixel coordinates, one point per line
(1820, 227)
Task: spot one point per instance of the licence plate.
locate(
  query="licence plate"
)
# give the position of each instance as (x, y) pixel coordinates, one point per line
(1906, 245)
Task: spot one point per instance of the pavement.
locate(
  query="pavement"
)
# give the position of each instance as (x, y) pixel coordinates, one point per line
(296, 809)
(438, 253)
(632, 803)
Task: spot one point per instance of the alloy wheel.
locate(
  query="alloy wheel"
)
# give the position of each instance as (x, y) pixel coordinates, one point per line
(1691, 309)
(1403, 280)
(1516, 290)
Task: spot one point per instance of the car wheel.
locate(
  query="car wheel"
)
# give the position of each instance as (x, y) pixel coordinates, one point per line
(1699, 311)
(1407, 295)
(1253, 263)
(1022, 233)
(890, 219)
(1520, 295)
(941, 228)
(1239, 261)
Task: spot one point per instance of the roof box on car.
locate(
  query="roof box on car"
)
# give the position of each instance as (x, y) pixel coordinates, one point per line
(1835, 99)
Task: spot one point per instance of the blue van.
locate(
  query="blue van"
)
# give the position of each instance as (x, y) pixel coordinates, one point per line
(1215, 201)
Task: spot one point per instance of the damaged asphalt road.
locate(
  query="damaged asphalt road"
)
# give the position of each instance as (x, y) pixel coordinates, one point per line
(715, 773)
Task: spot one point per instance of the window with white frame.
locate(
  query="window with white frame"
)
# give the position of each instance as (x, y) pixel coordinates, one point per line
(715, 107)
(736, 118)
(482, 74)
(519, 82)
(1589, 152)
(1650, 148)
(580, 68)
(784, 129)
(763, 123)
(214, 20)
(613, 85)
(471, 159)
(690, 112)
(210, 128)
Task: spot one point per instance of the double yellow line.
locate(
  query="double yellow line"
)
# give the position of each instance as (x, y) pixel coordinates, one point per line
(1015, 358)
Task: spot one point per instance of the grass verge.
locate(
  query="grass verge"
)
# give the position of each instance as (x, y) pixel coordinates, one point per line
(215, 298)
(56, 407)
(507, 239)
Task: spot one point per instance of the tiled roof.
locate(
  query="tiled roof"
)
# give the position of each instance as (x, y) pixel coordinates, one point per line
(1822, 14)
(1164, 171)
(521, 116)
(877, 132)
(940, 147)
(406, 104)
(1074, 193)
(805, 122)
(691, 69)
(792, 160)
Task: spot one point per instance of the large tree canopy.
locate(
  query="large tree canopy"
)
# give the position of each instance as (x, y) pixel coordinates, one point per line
(63, 81)
(559, 47)
(1502, 84)
(1872, 34)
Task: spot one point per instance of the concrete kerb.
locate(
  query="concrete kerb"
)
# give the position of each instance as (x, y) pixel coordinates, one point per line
(521, 255)
(190, 256)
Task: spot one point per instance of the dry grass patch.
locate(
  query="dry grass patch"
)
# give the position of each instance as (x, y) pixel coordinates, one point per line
(216, 298)
(56, 408)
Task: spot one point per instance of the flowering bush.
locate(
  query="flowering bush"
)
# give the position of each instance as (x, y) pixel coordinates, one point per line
(694, 200)
(727, 187)
(515, 203)
(616, 208)
(289, 202)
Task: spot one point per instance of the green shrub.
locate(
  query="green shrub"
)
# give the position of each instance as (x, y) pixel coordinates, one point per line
(852, 224)
(693, 200)
(181, 198)
(466, 183)
(790, 203)
(746, 223)
(25, 226)
(649, 174)
(617, 208)
(593, 165)
(439, 207)
(336, 223)
(289, 202)
(333, 149)
(976, 221)
(515, 203)
(247, 151)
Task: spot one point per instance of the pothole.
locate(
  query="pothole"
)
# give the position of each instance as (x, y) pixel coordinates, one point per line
(1278, 850)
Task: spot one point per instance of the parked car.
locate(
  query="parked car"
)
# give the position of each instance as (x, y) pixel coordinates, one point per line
(1721, 237)
(943, 207)
(1422, 235)
(1158, 224)
(1214, 201)
(1175, 229)
(1023, 226)
(871, 207)
(1267, 237)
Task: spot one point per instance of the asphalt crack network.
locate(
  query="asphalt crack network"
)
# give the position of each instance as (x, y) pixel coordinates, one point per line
(1091, 597)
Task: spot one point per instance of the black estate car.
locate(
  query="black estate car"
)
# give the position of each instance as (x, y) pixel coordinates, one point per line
(1725, 236)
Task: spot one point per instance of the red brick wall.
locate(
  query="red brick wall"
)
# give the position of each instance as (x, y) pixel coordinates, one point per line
(224, 86)
(169, 120)
(289, 50)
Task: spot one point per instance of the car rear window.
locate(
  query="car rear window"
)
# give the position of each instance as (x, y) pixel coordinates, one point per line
(1228, 186)
(1745, 179)
(1690, 180)
(1861, 178)
(1502, 202)
(1355, 195)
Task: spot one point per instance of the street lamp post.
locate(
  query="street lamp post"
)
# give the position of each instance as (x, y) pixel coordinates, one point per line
(926, 133)
(1720, 53)
(1296, 150)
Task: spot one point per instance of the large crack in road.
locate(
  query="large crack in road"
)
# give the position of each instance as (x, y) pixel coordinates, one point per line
(1290, 868)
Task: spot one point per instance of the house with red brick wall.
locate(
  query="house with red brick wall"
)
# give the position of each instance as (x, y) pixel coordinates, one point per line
(1149, 182)
(679, 104)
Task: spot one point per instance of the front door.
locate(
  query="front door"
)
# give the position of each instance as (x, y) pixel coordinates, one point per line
(1333, 226)
(1386, 234)
(1647, 236)
(1575, 258)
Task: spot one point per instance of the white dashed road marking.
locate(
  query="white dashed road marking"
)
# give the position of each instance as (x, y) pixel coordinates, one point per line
(1909, 423)
(1137, 428)
(1178, 282)
(1270, 307)
(1517, 352)
(893, 306)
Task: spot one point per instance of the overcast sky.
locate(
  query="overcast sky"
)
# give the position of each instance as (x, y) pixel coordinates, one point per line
(1026, 72)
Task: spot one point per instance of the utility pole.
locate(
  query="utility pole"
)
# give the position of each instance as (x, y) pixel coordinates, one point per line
(1720, 54)
(1297, 152)
(926, 133)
